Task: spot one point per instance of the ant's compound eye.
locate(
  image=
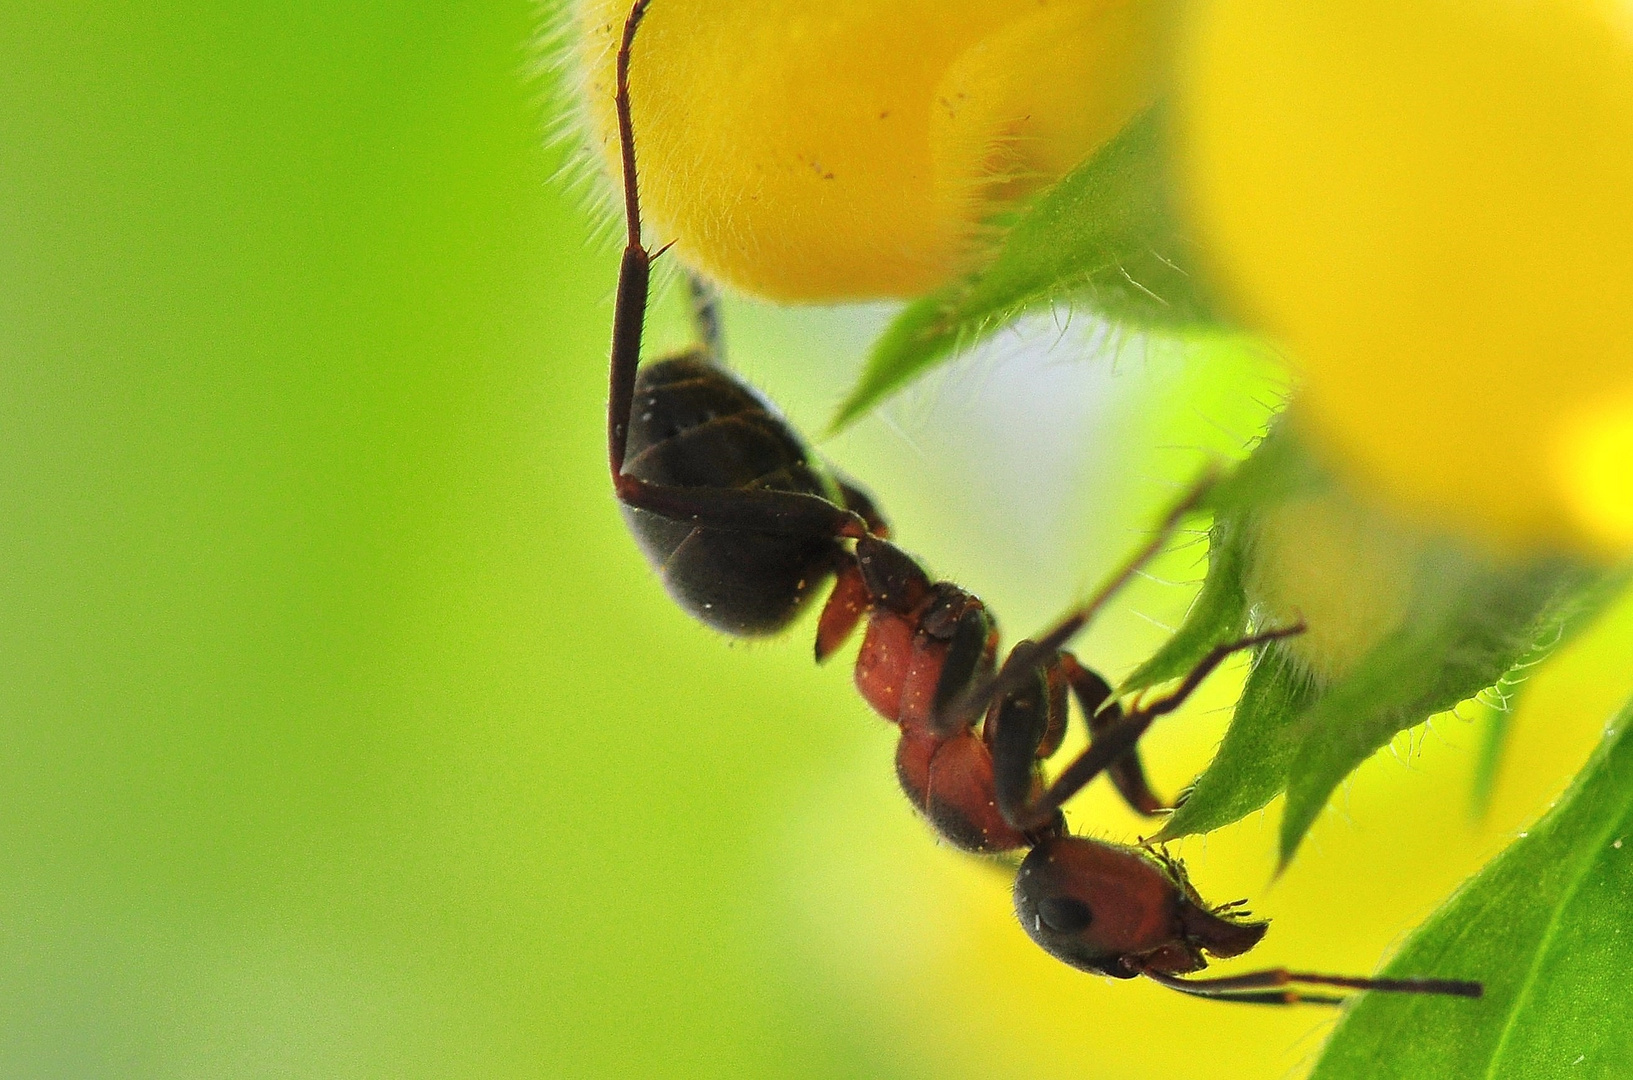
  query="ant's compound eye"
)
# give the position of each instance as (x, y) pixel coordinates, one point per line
(1064, 915)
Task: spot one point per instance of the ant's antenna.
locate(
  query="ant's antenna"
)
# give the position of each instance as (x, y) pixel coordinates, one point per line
(1260, 987)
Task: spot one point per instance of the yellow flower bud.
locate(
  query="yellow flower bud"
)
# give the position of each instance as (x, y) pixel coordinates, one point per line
(856, 148)
(1430, 204)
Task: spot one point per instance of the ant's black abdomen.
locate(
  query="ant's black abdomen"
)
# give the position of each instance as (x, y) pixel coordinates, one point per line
(696, 425)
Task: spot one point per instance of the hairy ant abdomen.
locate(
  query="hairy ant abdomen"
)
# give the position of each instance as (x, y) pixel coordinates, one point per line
(696, 425)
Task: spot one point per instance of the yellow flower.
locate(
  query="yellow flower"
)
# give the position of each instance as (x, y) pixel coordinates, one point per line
(1430, 204)
(856, 148)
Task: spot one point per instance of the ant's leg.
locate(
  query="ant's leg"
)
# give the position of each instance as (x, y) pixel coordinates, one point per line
(1060, 711)
(634, 272)
(1121, 737)
(706, 315)
(784, 513)
(740, 510)
(850, 598)
(859, 502)
(1126, 773)
(1257, 981)
(1018, 663)
(846, 605)
(851, 595)
(970, 651)
(1016, 726)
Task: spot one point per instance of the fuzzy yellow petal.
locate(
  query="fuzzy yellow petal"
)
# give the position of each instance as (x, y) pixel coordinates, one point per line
(856, 149)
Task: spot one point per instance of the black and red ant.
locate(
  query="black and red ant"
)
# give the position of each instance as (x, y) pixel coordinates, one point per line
(745, 524)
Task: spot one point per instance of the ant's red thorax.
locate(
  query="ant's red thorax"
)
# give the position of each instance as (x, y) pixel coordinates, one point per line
(925, 642)
(898, 669)
(947, 776)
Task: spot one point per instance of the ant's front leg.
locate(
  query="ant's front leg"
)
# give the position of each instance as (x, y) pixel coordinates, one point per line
(1118, 739)
(1094, 698)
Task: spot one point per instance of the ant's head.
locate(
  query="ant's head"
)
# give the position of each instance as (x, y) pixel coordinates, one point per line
(1119, 910)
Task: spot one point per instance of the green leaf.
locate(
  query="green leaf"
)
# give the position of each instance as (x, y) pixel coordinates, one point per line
(1545, 926)
(1499, 710)
(1218, 614)
(1278, 468)
(1250, 768)
(1103, 237)
(1469, 625)
(1497, 717)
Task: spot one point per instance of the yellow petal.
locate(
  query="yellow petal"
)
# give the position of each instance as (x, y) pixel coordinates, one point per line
(1431, 206)
(854, 149)
(1596, 472)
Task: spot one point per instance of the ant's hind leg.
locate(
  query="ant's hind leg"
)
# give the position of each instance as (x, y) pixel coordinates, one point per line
(733, 509)
(634, 272)
(740, 510)
(782, 513)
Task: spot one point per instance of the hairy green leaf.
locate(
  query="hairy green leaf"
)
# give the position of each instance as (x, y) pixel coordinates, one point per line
(1277, 468)
(1218, 614)
(1469, 625)
(1250, 768)
(1545, 927)
(1569, 617)
(1497, 717)
(1103, 237)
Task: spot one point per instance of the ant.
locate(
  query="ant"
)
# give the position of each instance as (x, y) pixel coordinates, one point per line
(745, 523)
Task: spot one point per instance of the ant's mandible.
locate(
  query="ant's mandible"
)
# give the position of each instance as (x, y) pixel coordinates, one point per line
(745, 524)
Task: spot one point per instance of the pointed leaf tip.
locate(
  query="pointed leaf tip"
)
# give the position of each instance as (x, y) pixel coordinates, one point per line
(1103, 238)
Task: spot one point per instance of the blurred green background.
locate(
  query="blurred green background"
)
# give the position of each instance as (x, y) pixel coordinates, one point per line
(343, 731)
